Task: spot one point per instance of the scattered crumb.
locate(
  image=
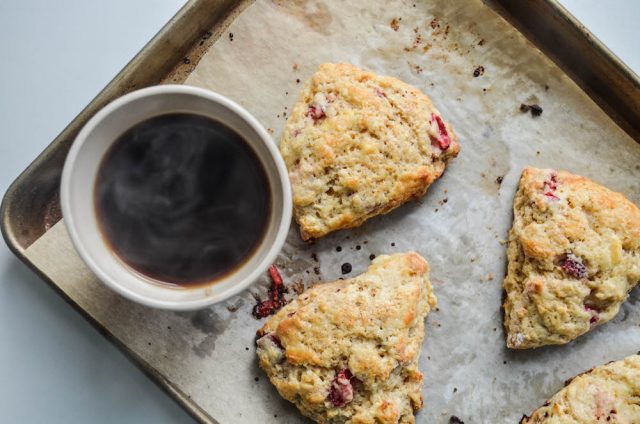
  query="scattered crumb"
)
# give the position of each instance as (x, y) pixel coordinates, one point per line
(295, 66)
(314, 256)
(434, 23)
(270, 130)
(297, 80)
(372, 257)
(546, 87)
(297, 287)
(502, 241)
(445, 412)
(535, 109)
(499, 179)
(490, 276)
(478, 71)
(256, 379)
(455, 420)
(186, 60)
(446, 190)
(455, 389)
(481, 42)
(537, 153)
(395, 24)
(231, 36)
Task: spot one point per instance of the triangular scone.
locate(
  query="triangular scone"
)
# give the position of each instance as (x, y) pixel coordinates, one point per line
(358, 145)
(606, 394)
(574, 255)
(347, 351)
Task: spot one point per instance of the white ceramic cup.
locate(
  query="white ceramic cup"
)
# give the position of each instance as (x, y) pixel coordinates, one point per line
(79, 177)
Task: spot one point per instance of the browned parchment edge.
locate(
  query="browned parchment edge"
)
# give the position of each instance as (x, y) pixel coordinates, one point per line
(31, 206)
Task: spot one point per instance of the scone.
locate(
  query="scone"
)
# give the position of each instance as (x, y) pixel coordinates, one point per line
(358, 145)
(574, 255)
(606, 394)
(347, 351)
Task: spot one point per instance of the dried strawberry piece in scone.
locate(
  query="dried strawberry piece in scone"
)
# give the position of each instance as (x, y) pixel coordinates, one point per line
(594, 313)
(316, 113)
(550, 186)
(269, 338)
(573, 265)
(271, 343)
(443, 141)
(341, 390)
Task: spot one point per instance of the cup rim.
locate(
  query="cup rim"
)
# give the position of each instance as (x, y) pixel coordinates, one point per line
(283, 222)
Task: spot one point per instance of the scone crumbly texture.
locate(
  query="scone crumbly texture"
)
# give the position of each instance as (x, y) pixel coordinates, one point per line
(358, 145)
(573, 257)
(607, 394)
(347, 351)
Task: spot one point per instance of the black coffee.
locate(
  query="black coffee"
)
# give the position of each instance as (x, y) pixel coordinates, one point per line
(182, 199)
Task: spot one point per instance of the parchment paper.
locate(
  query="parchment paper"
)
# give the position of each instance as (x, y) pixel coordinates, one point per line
(458, 226)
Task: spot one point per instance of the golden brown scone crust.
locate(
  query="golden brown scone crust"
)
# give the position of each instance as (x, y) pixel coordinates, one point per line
(370, 327)
(358, 145)
(609, 394)
(574, 255)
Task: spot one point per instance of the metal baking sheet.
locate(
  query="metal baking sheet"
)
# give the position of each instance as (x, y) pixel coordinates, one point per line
(205, 359)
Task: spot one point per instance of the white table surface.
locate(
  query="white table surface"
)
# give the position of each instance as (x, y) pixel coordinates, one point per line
(57, 55)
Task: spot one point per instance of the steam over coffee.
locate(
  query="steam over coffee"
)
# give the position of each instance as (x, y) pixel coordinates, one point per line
(182, 199)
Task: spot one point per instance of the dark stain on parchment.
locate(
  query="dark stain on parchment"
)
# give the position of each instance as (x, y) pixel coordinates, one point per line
(212, 324)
